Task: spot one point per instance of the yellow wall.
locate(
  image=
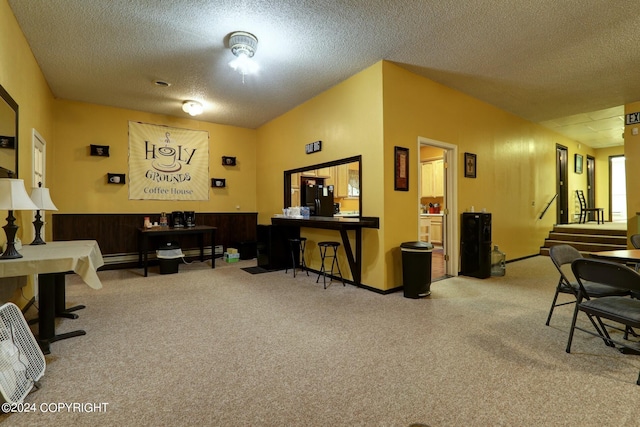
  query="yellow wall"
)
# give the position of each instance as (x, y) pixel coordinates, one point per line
(21, 77)
(579, 181)
(348, 120)
(516, 160)
(515, 163)
(632, 157)
(81, 186)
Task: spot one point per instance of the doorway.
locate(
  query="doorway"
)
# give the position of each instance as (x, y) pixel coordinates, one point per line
(437, 222)
(39, 158)
(562, 188)
(617, 189)
(591, 185)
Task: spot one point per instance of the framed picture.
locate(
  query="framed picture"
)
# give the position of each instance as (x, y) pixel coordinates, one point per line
(218, 182)
(228, 161)
(401, 181)
(116, 178)
(469, 165)
(7, 142)
(578, 163)
(99, 150)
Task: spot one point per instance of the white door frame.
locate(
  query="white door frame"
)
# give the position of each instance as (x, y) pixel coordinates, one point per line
(451, 197)
(38, 163)
(38, 144)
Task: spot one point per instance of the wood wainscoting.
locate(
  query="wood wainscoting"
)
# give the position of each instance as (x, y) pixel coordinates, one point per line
(117, 234)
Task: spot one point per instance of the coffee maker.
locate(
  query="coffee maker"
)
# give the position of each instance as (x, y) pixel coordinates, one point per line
(189, 218)
(177, 219)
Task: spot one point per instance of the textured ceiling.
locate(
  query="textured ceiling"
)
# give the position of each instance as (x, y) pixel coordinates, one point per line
(543, 60)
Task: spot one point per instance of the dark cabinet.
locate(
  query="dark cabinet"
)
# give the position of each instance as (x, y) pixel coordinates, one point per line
(475, 245)
(273, 251)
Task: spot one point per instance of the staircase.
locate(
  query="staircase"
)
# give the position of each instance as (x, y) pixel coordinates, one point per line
(587, 239)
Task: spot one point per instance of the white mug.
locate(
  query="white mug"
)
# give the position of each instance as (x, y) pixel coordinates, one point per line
(115, 179)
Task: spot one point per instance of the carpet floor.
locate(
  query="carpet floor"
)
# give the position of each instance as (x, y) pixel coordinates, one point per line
(226, 348)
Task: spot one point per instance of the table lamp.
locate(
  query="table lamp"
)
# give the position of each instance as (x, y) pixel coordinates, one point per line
(40, 196)
(13, 196)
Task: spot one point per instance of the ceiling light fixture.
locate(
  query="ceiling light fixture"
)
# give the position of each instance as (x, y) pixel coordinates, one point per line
(193, 108)
(243, 45)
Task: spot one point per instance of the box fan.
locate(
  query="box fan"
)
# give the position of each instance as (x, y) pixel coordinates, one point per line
(22, 363)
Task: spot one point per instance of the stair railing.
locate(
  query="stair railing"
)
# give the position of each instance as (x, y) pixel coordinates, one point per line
(548, 204)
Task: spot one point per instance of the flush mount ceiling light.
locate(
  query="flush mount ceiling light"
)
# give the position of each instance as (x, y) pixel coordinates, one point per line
(193, 108)
(243, 45)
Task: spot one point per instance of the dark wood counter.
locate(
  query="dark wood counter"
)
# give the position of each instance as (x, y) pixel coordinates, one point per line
(343, 225)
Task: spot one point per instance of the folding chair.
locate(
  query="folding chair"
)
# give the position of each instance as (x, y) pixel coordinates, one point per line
(562, 256)
(618, 309)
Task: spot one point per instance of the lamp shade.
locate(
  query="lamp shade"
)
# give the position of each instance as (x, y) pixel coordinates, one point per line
(40, 196)
(13, 195)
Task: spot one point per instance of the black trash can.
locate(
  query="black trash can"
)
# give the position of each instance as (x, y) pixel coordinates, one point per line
(416, 269)
(169, 266)
(169, 256)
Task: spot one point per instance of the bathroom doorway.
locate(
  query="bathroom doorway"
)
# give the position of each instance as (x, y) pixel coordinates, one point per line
(437, 222)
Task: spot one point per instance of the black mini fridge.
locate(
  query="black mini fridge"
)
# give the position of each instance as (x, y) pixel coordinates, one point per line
(475, 245)
(273, 252)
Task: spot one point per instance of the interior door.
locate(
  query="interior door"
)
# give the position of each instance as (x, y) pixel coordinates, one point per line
(591, 185)
(562, 188)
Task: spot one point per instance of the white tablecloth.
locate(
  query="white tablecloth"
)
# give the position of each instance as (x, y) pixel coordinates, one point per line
(83, 257)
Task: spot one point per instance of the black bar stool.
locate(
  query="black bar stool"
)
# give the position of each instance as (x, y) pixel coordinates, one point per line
(324, 246)
(297, 245)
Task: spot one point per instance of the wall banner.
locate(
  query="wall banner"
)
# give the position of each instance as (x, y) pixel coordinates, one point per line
(167, 163)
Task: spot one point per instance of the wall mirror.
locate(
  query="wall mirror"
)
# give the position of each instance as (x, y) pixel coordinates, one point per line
(345, 175)
(8, 136)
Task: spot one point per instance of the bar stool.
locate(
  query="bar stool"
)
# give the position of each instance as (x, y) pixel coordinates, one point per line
(324, 246)
(297, 245)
